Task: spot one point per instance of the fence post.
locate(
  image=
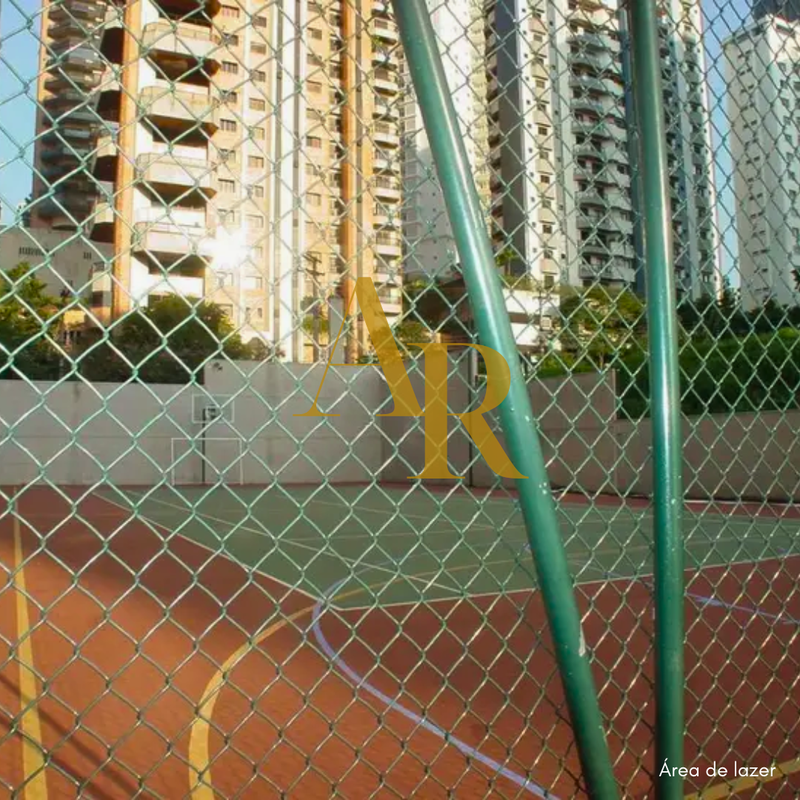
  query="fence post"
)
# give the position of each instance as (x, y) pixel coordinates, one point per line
(665, 394)
(516, 415)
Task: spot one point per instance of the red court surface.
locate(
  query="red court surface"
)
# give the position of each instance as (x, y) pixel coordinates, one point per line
(127, 631)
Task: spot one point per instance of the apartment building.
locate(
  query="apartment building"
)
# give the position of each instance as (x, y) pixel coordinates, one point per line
(562, 156)
(210, 154)
(429, 247)
(763, 106)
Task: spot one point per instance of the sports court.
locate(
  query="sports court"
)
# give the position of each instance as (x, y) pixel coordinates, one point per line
(247, 641)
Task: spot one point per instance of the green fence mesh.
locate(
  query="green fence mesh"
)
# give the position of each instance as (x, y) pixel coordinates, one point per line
(205, 592)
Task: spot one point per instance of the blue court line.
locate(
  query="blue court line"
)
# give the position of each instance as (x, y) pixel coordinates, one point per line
(704, 600)
(361, 683)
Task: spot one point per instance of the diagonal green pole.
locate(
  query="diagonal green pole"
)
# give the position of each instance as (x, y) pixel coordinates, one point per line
(665, 393)
(516, 415)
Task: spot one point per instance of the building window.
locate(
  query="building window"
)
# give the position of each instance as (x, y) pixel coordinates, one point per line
(258, 75)
(230, 98)
(257, 105)
(231, 67)
(228, 156)
(231, 12)
(227, 186)
(228, 125)
(30, 251)
(254, 282)
(313, 141)
(259, 22)
(255, 162)
(255, 222)
(231, 40)
(257, 133)
(314, 33)
(314, 199)
(315, 87)
(257, 190)
(258, 47)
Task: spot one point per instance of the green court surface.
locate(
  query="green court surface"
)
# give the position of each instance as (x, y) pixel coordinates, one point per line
(368, 546)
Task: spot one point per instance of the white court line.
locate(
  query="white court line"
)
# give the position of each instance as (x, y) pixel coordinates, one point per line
(584, 583)
(277, 541)
(621, 550)
(205, 547)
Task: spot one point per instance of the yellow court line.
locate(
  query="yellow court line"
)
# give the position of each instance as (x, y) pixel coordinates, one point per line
(738, 785)
(33, 763)
(199, 763)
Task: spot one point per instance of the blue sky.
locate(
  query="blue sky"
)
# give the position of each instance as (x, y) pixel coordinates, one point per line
(19, 27)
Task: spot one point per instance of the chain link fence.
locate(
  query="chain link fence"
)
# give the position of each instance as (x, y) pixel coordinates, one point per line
(220, 574)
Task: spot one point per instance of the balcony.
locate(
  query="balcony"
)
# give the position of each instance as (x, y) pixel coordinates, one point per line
(386, 161)
(384, 108)
(596, 41)
(73, 55)
(77, 9)
(386, 80)
(388, 245)
(68, 204)
(383, 29)
(596, 61)
(179, 109)
(387, 189)
(385, 56)
(587, 104)
(107, 141)
(165, 242)
(386, 215)
(102, 221)
(386, 134)
(589, 84)
(164, 170)
(591, 197)
(182, 44)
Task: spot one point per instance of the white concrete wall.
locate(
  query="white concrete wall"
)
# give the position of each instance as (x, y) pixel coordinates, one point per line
(74, 433)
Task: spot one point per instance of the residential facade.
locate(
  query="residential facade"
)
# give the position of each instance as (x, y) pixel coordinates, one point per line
(763, 106)
(212, 154)
(429, 246)
(562, 152)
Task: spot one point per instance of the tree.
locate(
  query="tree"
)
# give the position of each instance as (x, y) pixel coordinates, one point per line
(169, 341)
(28, 326)
(259, 350)
(408, 332)
(600, 323)
(711, 317)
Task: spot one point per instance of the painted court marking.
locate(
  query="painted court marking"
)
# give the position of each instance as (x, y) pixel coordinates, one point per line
(33, 760)
(200, 781)
(351, 562)
(172, 534)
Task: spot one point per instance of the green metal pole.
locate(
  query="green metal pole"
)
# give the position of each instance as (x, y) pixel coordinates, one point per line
(516, 415)
(665, 394)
